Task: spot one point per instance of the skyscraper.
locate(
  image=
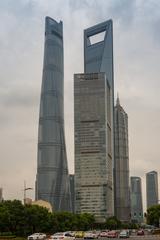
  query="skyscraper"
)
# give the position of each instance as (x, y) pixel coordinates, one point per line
(71, 177)
(98, 52)
(52, 183)
(93, 116)
(121, 164)
(152, 188)
(1, 194)
(93, 176)
(136, 200)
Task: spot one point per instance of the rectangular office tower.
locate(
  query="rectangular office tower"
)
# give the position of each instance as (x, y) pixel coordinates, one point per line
(52, 183)
(93, 145)
(121, 164)
(136, 200)
(152, 188)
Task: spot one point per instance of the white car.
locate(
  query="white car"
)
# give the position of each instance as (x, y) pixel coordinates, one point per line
(36, 236)
(91, 235)
(62, 236)
(103, 234)
(124, 234)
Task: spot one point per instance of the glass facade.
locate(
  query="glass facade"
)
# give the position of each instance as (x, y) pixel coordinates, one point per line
(136, 200)
(52, 183)
(121, 164)
(152, 188)
(93, 159)
(93, 116)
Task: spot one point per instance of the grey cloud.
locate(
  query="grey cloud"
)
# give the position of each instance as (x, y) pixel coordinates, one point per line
(76, 5)
(20, 98)
(123, 11)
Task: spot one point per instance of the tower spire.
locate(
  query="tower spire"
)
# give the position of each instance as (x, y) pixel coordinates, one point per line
(118, 101)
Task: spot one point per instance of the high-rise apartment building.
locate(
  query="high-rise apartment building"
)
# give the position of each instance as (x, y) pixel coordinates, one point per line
(93, 108)
(152, 188)
(52, 182)
(93, 145)
(136, 200)
(121, 164)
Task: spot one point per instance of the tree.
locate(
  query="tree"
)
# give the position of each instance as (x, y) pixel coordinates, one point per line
(84, 221)
(22, 220)
(113, 223)
(38, 219)
(153, 215)
(4, 218)
(12, 213)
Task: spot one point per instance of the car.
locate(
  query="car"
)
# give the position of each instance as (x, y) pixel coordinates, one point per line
(124, 234)
(62, 236)
(156, 231)
(140, 232)
(91, 235)
(103, 233)
(79, 234)
(35, 236)
(112, 234)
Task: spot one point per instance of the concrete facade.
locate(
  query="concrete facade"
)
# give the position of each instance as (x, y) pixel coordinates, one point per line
(121, 164)
(52, 183)
(152, 188)
(136, 200)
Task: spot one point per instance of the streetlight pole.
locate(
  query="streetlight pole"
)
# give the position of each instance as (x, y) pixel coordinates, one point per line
(24, 190)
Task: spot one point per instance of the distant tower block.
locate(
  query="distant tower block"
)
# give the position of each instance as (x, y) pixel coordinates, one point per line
(52, 183)
(136, 200)
(1, 194)
(152, 188)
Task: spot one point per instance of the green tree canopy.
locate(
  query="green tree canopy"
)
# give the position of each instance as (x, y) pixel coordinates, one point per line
(153, 215)
(22, 220)
(113, 223)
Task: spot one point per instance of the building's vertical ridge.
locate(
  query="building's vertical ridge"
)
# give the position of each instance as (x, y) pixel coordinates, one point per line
(52, 183)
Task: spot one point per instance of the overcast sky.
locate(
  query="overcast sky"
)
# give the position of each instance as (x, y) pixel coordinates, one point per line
(137, 78)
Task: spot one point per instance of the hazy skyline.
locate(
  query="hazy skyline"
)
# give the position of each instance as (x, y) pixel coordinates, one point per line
(136, 66)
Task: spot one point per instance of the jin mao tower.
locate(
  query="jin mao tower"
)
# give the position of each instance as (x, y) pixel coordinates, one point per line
(121, 164)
